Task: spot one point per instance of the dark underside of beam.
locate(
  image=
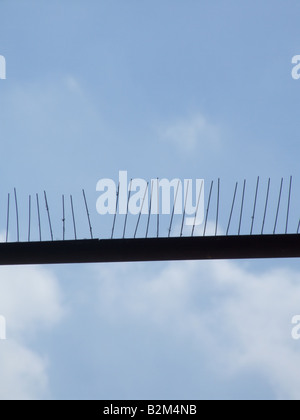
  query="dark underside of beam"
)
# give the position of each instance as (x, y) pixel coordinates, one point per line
(152, 249)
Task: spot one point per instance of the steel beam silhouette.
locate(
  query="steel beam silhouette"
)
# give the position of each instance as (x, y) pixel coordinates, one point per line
(150, 249)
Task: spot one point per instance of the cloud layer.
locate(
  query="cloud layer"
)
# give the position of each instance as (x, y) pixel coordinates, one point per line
(31, 302)
(231, 322)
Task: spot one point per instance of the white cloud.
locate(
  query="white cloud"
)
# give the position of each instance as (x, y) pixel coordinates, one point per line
(23, 373)
(241, 321)
(30, 300)
(191, 133)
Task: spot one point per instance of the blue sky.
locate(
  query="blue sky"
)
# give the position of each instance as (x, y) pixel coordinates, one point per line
(194, 89)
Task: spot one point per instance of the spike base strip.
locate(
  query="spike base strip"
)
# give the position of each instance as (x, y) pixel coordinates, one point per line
(152, 249)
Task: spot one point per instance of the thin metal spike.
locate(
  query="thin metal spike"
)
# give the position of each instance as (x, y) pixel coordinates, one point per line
(49, 218)
(289, 202)
(64, 218)
(298, 229)
(73, 217)
(88, 213)
(266, 206)
(183, 217)
(254, 208)
(29, 219)
(116, 210)
(139, 218)
(197, 208)
(173, 211)
(278, 206)
(150, 209)
(207, 210)
(242, 207)
(7, 217)
(218, 204)
(17, 215)
(39, 216)
(232, 206)
(157, 230)
(126, 217)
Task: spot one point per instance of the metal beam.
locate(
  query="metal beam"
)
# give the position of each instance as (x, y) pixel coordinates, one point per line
(150, 249)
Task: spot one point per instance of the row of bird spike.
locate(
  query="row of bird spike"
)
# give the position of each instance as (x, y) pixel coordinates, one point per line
(233, 203)
(218, 210)
(38, 206)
